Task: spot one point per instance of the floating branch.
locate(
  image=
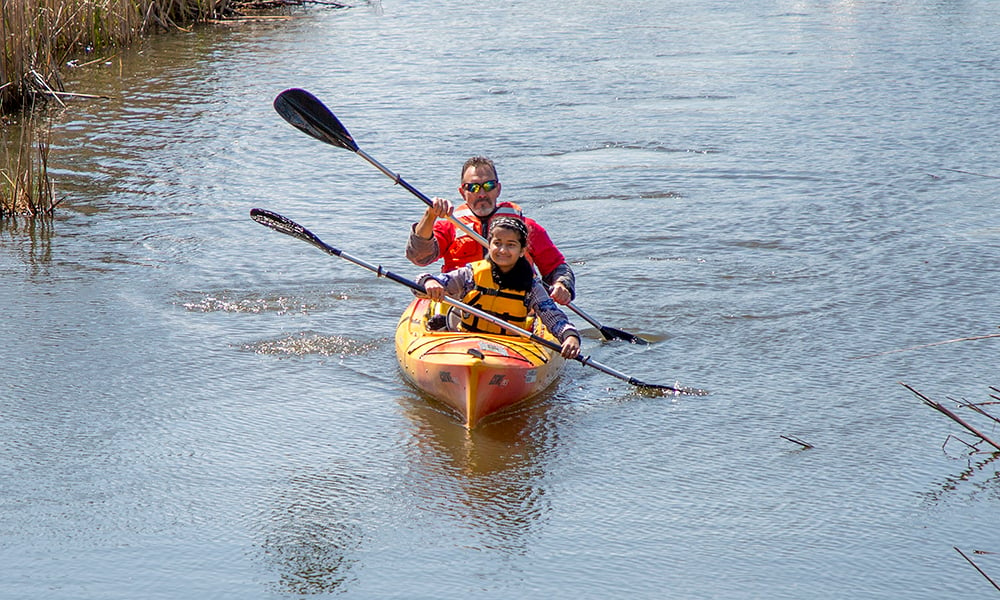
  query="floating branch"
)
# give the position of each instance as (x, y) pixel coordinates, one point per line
(805, 445)
(234, 20)
(972, 173)
(951, 415)
(273, 4)
(57, 94)
(45, 87)
(964, 339)
(981, 572)
(972, 447)
(78, 65)
(977, 408)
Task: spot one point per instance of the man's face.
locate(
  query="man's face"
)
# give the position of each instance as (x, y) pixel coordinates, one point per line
(481, 201)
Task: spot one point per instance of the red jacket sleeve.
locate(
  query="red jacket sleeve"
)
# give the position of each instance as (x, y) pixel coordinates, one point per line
(543, 252)
(444, 233)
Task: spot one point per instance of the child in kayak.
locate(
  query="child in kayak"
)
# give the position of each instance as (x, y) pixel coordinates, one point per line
(504, 285)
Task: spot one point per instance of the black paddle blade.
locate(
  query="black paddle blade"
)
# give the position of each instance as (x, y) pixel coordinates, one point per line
(611, 333)
(306, 113)
(287, 226)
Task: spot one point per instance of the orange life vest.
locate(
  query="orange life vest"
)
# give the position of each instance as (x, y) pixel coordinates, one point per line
(509, 305)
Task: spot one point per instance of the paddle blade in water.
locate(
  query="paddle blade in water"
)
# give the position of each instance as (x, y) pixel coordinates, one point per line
(655, 389)
(306, 113)
(612, 333)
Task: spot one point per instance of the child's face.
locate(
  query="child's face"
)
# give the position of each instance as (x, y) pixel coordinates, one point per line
(505, 248)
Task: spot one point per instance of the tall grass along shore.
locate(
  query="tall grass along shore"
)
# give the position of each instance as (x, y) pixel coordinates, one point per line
(38, 37)
(25, 187)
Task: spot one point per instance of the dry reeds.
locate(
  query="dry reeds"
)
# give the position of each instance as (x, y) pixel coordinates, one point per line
(25, 187)
(974, 407)
(40, 34)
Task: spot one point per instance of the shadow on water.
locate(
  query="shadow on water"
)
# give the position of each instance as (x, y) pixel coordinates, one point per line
(490, 480)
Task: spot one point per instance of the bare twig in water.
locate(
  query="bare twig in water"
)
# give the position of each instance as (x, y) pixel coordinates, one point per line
(805, 445)
(951, 415)
(971, 173)
(45, 86)
(103, 59)
(981, 572)
(965, 339)
(249, 19)
(976, 407)
(75, 95)
(971, 447)
(272, 4)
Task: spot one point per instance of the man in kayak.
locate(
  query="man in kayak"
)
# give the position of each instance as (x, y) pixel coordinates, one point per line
(503, 285)
(434, 236)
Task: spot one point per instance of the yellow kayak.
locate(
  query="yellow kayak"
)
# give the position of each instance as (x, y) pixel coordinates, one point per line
(476, 374)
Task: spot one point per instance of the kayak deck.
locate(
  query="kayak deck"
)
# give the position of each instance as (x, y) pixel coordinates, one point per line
(475, 374)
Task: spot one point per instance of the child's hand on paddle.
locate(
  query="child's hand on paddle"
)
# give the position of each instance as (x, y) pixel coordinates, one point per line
(435, 291)
(571, 347)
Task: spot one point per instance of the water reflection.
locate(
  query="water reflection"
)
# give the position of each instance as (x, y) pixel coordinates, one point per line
(490, 479)
(311, 538)
(981, 478)
(28, 241)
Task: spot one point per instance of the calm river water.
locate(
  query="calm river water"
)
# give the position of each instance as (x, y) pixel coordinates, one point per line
(194, 406)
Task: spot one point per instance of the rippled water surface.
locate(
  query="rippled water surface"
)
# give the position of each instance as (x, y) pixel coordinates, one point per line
(778, 194)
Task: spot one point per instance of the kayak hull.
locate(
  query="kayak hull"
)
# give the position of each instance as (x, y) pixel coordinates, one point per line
(476, 375)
